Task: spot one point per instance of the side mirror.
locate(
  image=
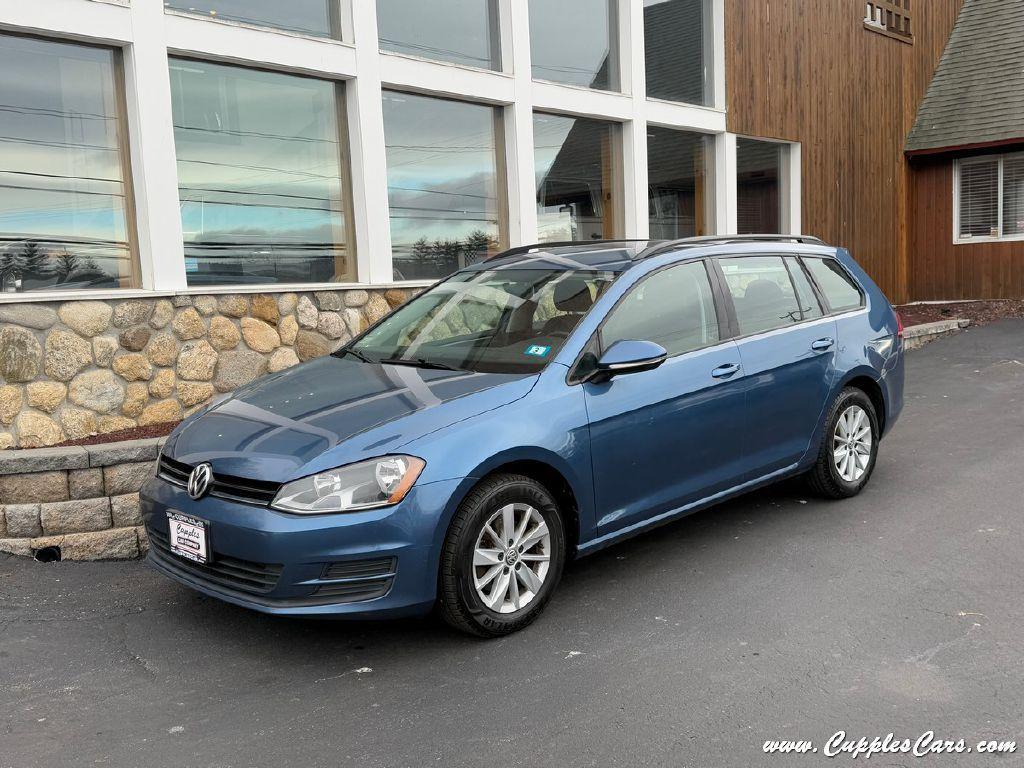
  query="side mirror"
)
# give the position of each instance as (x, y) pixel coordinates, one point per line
(629, 356)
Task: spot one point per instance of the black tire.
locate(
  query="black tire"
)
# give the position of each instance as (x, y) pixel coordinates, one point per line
(460, 604)
(824, 478)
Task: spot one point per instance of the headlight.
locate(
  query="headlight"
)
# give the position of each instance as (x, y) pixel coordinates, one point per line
(368, 484)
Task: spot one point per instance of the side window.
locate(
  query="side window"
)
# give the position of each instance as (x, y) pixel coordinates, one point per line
(809, 307)
(763, 293)
(836, 286)
(673, 307)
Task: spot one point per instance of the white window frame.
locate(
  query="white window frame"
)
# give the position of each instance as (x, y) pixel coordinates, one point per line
(147, 35)
(977, 159)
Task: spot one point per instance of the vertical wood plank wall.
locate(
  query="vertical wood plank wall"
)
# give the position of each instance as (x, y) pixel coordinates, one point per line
(808, 71)
(938, 268)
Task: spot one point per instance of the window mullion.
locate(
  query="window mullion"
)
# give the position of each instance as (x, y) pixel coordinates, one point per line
(956, 200)
(999, 197)
(152, 152)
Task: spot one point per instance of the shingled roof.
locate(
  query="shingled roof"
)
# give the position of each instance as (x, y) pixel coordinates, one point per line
(976, 97)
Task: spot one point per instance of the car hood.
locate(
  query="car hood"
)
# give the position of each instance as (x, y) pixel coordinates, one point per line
(332, 411)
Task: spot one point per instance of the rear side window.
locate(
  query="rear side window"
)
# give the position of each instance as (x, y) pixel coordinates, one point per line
(674, 308)
(809, 306)
(836, 286)
(763, 294)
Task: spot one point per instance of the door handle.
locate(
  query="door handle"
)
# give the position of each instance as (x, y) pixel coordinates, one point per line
(822, 344)
(725, 371)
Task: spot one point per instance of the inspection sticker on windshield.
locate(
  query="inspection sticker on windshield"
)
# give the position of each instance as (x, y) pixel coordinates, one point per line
(537, 350)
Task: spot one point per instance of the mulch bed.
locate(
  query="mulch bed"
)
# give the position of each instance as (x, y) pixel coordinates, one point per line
(978, 312)
(135, 433)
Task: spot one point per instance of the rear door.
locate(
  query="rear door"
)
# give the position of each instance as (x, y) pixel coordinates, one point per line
(667, 437)
(787, 349)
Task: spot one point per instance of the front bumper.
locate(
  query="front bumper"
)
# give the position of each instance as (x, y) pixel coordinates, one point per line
(371, 564)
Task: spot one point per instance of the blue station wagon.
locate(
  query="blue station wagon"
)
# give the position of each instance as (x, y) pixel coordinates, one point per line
(529, 409)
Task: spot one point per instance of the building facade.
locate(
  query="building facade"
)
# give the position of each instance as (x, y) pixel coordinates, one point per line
(196, 192)
(966, 153)
(179, 146)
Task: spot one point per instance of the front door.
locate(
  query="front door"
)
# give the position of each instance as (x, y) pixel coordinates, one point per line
(787, 348)
(668, 437)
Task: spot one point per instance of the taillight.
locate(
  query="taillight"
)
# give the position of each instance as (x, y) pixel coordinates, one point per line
(899, 326)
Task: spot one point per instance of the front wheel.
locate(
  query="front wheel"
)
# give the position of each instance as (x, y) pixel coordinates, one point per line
(502, 557)
(849, 447)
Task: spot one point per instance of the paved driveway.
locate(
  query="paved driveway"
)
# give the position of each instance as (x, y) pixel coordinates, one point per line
(774, 617)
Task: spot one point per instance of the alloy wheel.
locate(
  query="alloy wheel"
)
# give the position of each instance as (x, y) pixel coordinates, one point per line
(511, 558)
(851, 444)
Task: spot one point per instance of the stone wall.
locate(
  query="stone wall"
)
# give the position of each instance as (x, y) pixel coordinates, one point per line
(76, 368)
(80, 502)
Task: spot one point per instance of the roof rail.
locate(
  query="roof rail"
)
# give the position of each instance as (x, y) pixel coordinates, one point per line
(521, 249)
(809, 239)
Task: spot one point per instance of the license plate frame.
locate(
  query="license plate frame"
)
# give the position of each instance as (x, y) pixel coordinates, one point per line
(188, 537)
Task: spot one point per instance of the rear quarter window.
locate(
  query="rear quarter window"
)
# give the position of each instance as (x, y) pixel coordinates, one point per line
(836, 286)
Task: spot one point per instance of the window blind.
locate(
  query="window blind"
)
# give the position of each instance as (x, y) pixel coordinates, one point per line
(979, 199)
(1013, 195)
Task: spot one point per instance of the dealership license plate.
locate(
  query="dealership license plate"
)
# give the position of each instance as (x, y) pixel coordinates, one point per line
(189, 537)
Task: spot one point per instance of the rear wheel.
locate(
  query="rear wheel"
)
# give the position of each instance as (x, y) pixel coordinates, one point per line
(849, 447)
(502, 557)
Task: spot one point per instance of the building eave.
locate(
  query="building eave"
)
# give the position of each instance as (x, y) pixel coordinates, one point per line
(954, 149)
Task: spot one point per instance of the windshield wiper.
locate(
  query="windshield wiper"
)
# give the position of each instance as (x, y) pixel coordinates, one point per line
(419, 362)
(355, 353)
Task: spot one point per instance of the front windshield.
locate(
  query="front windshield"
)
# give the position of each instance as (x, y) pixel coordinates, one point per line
(496, 321)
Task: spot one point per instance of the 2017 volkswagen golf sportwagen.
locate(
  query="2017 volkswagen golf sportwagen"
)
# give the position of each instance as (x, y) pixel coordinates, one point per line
(540, 405)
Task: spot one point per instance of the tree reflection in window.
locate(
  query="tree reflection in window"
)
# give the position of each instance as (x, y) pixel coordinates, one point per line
(63, 190)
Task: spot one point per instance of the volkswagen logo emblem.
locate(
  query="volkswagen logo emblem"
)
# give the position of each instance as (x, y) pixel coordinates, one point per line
(199, 481)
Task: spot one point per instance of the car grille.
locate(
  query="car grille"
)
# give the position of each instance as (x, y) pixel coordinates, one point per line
(360, 569)
(358, 580)
(232, 572)
(260, 492)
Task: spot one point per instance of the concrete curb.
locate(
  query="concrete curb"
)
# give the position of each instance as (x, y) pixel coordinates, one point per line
(916, 336)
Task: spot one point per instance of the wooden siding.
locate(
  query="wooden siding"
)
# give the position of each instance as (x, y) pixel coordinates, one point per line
(808, 71)
(940, 269)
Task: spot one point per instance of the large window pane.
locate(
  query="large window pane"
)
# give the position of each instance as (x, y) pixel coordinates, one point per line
(1013, 195)
(308, 17)
(63, 192)
(260, 176)
(444, 185)
(979, 199)
(677, 50)
(679, 199)
(758, 201)
(460, 31)
(577, 172)
(574, 42)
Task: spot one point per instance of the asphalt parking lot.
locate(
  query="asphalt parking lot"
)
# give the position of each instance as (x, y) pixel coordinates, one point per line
(776, 616)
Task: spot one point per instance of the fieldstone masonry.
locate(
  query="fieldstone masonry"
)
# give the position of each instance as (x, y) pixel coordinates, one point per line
(76, 368)
(82, 501)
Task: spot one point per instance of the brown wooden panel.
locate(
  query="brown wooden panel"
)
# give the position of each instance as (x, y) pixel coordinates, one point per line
(940, 269)
(808, 71)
